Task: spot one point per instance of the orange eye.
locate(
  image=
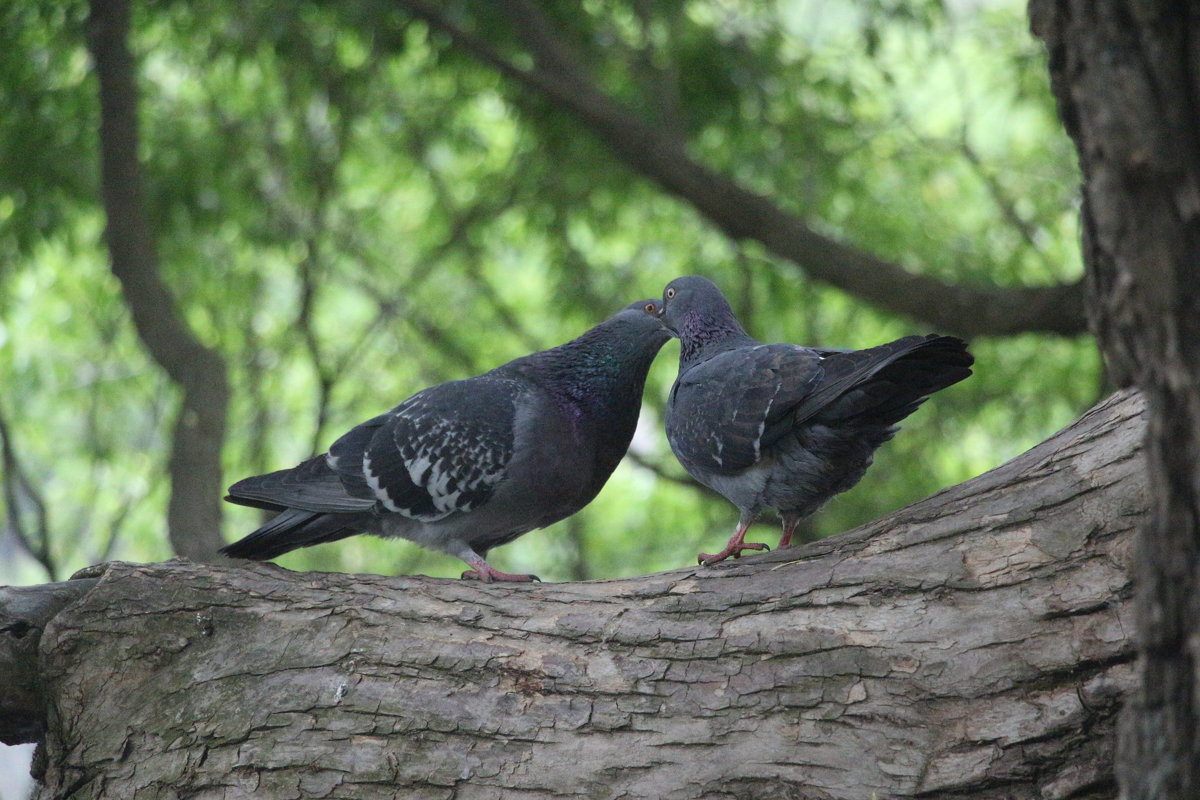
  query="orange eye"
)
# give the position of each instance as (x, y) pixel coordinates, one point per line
(651, 308)
(670, 293)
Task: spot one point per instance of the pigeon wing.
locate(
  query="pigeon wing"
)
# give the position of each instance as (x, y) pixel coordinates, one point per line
(311, 486)
(331, 483)
(727, 410)
(444, 450)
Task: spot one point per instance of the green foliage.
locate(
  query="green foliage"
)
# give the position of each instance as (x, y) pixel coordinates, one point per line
(46, 132)
(350, 208)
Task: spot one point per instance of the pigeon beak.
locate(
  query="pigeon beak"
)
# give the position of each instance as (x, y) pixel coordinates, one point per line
(662, 318)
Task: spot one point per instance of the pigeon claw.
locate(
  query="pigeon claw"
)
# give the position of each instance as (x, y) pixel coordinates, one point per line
(732, 550)
(491, 575)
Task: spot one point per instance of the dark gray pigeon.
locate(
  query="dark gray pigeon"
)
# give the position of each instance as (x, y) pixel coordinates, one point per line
(782, 426)
(468, 465)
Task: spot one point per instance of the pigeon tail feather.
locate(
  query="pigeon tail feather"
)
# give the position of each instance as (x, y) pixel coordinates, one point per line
(899, 387)
(311, 486)
(293, 529)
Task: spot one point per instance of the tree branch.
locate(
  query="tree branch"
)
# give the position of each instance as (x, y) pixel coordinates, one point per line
(743, 214)
(18, 488)
(24, 613)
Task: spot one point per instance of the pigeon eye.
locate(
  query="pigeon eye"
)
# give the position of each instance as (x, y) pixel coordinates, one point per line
(670, 293)
(650, 309)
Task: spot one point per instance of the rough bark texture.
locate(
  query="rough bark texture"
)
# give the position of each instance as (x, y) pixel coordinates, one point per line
(658, 154)
(974, 645)
(24, 614)
(194, 510)
(1127, 78)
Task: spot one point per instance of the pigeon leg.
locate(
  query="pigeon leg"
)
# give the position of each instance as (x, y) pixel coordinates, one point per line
(734, 547)
(483, 571)
(789, 527)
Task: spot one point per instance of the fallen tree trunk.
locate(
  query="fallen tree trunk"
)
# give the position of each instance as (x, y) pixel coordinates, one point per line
(976, 644)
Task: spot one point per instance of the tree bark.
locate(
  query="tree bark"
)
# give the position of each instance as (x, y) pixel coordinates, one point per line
(24, 614)
(194, 510)
(558, 75)
(975, 645)
(1127, 78)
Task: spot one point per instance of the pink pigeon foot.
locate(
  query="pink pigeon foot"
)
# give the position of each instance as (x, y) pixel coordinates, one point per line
(485, 572)
(734, 547)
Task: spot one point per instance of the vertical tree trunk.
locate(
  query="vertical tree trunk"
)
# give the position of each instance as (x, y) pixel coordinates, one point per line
(1127, 77)
(194, 512)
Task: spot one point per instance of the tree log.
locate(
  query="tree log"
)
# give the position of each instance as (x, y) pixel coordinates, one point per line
(976, 644)
(24, 613)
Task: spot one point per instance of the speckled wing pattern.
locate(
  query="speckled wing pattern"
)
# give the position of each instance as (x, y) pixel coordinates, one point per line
(440, 452)
(725, 411)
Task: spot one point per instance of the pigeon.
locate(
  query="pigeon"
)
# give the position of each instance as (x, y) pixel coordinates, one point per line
(469, 465)
(782, 426)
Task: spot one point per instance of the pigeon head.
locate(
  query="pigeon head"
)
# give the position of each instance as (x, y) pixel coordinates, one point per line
(695, 311)
(640, 327)
(694, 299)
(644, 315)
(610, 360)
(635, 329)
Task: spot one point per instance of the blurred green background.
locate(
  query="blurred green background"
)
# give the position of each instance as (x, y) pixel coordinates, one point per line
(350, 206)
